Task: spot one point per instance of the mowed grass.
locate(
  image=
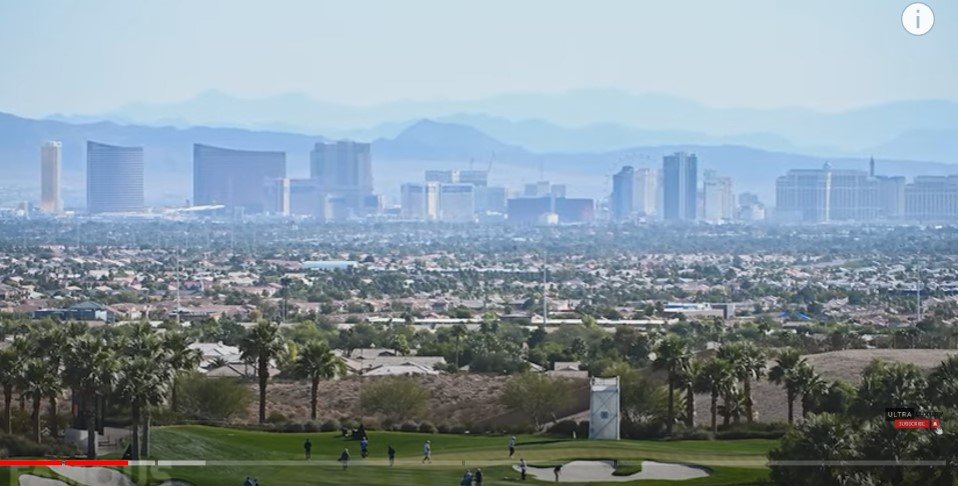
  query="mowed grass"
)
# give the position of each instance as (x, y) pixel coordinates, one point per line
(278, 458)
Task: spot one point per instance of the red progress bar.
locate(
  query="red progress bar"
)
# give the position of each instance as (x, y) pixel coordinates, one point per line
(97, 462)
(29, 462)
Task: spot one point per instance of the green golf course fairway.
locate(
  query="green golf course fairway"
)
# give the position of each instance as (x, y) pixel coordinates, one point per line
(232, 455)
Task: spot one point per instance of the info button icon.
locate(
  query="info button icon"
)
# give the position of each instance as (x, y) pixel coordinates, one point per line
(918, 18)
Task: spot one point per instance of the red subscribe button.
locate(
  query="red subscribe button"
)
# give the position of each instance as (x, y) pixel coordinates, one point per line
(917, 424)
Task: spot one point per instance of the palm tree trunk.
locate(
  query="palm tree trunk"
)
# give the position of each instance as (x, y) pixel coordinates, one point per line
(312, 398)
(7, 402)
(671, 416)
(791, 405)
(99, 413)
(145, 444)
(713, 409)
(36, 417)
(747, 386)
(263, 376)
(689, 406)
(135, 438)
(90, 415)
(54, 429)
(726, 414)
(174, 405)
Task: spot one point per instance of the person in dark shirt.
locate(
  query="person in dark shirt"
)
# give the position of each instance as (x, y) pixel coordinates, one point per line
(477, 477)
(308, 449)
(392, 455)
(344, 458)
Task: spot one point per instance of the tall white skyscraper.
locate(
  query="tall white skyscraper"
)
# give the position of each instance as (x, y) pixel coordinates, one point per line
(719, 202)
(50, 157)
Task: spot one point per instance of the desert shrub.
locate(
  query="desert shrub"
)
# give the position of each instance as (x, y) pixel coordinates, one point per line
(330, 425)
(212, 399)
(293, 427)
(563, 428)
(409, 427)
(311, 426)
(536, 396)
(396, 398)
(428, 428)
(275, 417)
(582, 429)
(458, 429)
(443, 429)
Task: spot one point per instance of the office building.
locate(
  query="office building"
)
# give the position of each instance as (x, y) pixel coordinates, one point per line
(532, 210)
(413, 202)
(574, 210)
(491, 199)
(457, 203)
(478, 178)
(718, 200)
(646, 195)
(442, 176)
(623, 194)
(237, 179)
(854, 196)
(277, 197)
(557, 190)
(802, 195)
(305, 199)
(50, 160)
(539, 189)
(680, 187)
(114, 178)
(826, 194)
(932, 199)
(343, 171)
(528, 210)
(891, 197)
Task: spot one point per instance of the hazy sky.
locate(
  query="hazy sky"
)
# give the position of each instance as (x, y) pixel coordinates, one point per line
(91, 56)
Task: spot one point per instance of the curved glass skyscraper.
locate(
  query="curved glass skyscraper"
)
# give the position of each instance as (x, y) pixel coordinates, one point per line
(114, 178)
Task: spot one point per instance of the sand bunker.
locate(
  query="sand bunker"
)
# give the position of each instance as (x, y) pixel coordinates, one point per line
(601, 471)
(93, 476)
(31, 480)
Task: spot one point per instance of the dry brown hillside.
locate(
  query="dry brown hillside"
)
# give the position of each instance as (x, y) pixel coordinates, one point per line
(455, 399)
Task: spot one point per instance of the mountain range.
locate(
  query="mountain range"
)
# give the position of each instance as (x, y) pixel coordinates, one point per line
(583, 121)
(423, 144)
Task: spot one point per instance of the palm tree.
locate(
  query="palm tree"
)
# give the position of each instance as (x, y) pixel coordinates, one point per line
(691, 368)
(50, 344)
(142, 342)
(717, 378)
(261, 345)
(142, 383)
(11, 363)
(812, 387)
(180, 359)
(748, 363)
(945, 378)
(39, 380)
(90, 368)
(458, 332)
(786, 373)
(670, 354)
(316, 362)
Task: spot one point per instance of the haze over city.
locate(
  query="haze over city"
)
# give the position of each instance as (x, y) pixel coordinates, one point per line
(418, 242)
